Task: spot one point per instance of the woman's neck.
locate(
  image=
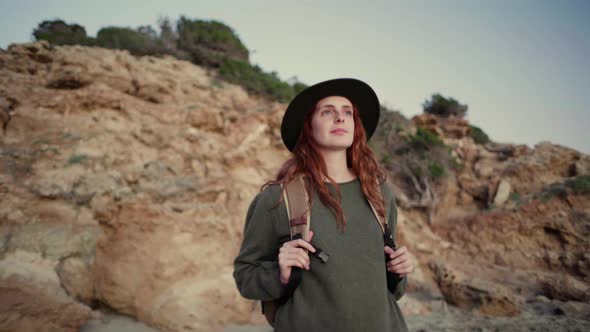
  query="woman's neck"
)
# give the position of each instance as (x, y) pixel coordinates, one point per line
(337, 167)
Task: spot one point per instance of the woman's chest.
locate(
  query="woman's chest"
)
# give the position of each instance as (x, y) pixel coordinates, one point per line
(360, 243)
(362, 240)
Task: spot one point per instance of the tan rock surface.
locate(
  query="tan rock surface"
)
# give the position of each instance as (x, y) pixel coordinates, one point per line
(115, 169)
(125, 180)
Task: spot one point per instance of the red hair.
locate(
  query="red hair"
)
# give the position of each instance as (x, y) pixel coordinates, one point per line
(308, 161)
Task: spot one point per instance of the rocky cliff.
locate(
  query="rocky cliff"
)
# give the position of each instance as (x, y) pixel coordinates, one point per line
(124, 183)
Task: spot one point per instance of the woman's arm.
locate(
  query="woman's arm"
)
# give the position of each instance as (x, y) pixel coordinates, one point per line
(256, 268)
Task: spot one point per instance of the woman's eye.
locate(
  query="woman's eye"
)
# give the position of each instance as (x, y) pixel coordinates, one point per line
(349, 112)
(326, 111)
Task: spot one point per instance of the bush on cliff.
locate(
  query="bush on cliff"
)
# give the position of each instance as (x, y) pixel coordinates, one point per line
(143, 41)
(58, 32)
(209, 43)
(478, 135)
(441, 106)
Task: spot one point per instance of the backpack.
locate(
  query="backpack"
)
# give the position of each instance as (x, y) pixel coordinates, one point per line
(296, 197)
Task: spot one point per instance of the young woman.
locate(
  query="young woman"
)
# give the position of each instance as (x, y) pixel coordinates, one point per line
(326, 127)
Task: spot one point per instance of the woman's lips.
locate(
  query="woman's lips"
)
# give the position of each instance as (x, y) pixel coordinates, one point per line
(339, 131)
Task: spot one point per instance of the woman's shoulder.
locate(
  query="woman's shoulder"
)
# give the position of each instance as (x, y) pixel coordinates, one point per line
(268, 197)
(388, 194)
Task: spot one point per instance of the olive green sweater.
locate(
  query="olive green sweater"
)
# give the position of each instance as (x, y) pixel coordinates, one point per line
(347, 293)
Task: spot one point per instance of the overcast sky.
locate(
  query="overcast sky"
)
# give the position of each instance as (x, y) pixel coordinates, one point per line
(522, 67)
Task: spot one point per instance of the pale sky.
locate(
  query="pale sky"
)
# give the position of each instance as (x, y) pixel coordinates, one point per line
(522, 67)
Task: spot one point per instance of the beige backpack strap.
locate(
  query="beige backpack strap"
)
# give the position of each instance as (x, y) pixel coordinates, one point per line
(296, 198)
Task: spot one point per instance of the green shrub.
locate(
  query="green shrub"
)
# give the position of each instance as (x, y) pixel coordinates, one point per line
(423, 139)
(478, 135)
(579, 185)
(209, 42)
(254, 79)
(138, 42)
(436, 169)
(425, 148)
(439, 105)
(58, 32)
(77, 158)
(554, 190)
(514, 196)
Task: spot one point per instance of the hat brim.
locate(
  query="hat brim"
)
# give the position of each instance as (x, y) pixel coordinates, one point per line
(358, 92)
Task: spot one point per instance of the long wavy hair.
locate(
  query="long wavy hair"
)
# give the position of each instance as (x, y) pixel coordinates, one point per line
(307, 160)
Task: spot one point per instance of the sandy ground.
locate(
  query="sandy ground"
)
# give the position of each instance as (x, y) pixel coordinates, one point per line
(112, 323)
(439, 322)
(118, 323)
(537, 317)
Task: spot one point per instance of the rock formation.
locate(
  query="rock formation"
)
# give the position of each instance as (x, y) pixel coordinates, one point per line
(124, 183)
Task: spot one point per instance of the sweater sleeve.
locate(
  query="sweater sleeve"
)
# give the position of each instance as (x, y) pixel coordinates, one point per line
(394, 279)
(256, 268)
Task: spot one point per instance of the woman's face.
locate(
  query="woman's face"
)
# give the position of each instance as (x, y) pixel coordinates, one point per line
(333, 123)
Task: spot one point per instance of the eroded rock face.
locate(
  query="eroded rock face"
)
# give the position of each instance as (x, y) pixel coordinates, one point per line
(32, 298)
(130, 176)
(546, 164)
(451, 127)
(538, 236)
(26, 307)
(504, 229)
(171, 248)
(125, 181)
(565, 287)
(473, 293)
(77, 279)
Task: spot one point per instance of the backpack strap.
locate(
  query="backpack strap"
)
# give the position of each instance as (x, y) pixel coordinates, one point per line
(387, 236)
(295, 196)
(296, 200)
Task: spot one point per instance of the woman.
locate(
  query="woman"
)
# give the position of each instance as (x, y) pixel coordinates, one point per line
(326, 127)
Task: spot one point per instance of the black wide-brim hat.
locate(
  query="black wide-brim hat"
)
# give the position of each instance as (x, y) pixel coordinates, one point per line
(357, 91)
